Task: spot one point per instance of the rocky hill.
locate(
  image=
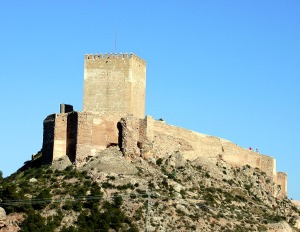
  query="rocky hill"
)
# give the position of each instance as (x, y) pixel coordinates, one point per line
(109, 193)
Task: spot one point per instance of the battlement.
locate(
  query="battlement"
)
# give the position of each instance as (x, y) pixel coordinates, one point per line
(114, 56)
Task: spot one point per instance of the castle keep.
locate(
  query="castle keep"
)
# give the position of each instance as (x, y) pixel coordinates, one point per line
(114, 86)
(114, 115)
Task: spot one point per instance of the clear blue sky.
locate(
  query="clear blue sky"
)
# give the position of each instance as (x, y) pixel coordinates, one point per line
(225, 68)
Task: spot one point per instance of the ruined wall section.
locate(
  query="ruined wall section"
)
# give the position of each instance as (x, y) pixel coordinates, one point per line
(129, 129)
(136, 137)
(114, 85)
(55, 137)
(282, 181)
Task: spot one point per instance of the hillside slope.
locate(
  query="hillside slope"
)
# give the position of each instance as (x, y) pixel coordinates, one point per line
(109, 193)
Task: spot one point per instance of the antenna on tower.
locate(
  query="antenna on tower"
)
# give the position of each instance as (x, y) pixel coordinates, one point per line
(115, 42)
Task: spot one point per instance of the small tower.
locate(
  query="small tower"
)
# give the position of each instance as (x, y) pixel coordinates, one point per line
(114, 85)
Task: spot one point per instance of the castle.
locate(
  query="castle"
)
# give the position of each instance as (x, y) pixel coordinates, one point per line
(114, 115)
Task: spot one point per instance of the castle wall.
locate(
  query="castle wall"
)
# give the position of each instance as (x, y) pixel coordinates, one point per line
(268, 165)
(114, 85)
(48, 138)
(77, 135)
(94, 133)
(282, 181)
(72, 128)
(151, 138)
(60, 136)
(130, 132)
(193, 145)
(55, 137)
(137, 87)
(66, 108)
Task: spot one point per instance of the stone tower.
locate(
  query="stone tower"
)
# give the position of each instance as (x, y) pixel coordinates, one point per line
(114, 85)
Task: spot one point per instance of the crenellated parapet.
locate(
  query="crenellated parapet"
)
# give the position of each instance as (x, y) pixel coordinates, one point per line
(114, 56)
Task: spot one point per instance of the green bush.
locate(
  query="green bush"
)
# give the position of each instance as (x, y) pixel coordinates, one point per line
(42, 199)
(159, 161)
(33, 222)
(108, 217)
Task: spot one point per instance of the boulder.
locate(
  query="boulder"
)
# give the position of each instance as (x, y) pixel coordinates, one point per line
(32, 180)
(2, 217)
(2, 214)
(183, 209)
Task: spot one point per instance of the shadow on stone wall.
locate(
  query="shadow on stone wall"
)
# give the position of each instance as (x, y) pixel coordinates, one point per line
(48, 139)
(72, 131)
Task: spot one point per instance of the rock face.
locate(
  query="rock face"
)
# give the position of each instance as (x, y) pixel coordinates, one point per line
(174, 193)
(297, 203)
(109, 161)
(2, 218)
(61, 164)
(13, 221)
(279, 227)
(200, 195)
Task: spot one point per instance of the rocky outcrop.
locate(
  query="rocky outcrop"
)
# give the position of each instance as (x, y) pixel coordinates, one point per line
(2, 218)
(13, 222)
(282, 226)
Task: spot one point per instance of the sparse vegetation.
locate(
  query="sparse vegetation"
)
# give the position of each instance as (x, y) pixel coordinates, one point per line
(213, 193)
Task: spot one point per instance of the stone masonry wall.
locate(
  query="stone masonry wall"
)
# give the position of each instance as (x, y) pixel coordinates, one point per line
(48, 138)
(150, 138)
(60, 136)
(55, 137)
(95, 133)
(129, 130)
(72, 128)
(114, 85)
(193, 144)
(137, 87)
(77, 135)
(282, 181)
